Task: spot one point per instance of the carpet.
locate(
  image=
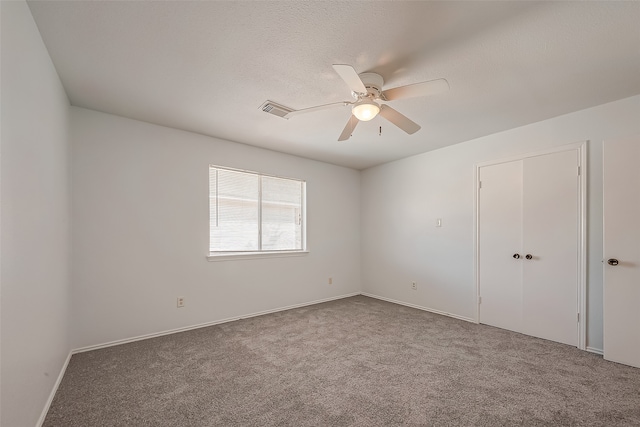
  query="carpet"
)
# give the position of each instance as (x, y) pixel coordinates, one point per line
(356, 361)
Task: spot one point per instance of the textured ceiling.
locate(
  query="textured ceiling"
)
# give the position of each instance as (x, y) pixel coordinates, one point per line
(207, 67)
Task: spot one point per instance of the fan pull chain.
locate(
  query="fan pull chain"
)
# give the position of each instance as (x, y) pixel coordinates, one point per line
(380, 131)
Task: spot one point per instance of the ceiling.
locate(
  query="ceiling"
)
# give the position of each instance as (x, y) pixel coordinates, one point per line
(207, 67)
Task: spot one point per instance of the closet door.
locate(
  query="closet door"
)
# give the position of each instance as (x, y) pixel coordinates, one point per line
(550, 230)
(500, 216)
(530, 208)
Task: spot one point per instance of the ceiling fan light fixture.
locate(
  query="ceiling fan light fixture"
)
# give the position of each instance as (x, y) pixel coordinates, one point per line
(365, 110)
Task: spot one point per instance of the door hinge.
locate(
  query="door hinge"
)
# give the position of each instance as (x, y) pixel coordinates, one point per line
(578, 317)
(578, 170)
(479, 184)
(479, 300)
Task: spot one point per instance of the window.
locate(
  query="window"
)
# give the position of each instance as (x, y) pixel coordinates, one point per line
(250, 212)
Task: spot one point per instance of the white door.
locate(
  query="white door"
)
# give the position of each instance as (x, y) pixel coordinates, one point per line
(500, 242)
(550, 243)
(528, 245)
(622, 250)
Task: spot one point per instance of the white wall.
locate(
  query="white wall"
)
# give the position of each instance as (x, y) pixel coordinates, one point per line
(401, 201)
(34, 215)
(140, 231)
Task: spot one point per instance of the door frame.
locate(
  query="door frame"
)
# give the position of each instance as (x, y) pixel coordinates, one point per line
(581, 297)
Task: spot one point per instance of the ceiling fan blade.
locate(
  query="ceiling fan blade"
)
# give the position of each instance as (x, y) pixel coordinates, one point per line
(349, 75)
(399, 120)
(317, 108)
(431, 87)
(348, 129)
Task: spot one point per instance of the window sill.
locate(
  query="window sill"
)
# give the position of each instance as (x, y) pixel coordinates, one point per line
(255, 255)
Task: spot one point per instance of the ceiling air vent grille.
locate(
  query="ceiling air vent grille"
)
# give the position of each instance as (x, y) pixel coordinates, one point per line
(275, 109)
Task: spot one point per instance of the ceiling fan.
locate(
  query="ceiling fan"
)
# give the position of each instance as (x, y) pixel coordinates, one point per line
(366, 89)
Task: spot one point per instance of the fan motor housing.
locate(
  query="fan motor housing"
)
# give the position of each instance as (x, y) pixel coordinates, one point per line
(373, 82)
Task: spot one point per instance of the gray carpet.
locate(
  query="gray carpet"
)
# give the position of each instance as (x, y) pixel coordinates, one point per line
(352, 362)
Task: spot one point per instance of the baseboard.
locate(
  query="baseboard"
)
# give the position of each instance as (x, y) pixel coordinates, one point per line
(47, 405)
(206, 324)
(595, 350)
(419, 307)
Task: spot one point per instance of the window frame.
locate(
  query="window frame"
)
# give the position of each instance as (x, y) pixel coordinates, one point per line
(254, 254)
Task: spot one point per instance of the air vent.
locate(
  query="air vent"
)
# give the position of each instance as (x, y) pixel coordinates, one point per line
(275, 109)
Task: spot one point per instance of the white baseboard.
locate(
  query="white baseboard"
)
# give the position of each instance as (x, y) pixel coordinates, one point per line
(595, 350)
(47, 405)
(419, 307)
(206, 324)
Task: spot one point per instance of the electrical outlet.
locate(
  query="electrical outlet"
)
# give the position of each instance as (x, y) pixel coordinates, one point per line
(180, 302)
(414, 286)
(331, 280)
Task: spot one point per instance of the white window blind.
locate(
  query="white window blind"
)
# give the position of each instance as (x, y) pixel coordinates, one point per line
(251, 212)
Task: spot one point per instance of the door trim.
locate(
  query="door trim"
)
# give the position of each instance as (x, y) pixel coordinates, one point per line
(581, 297)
